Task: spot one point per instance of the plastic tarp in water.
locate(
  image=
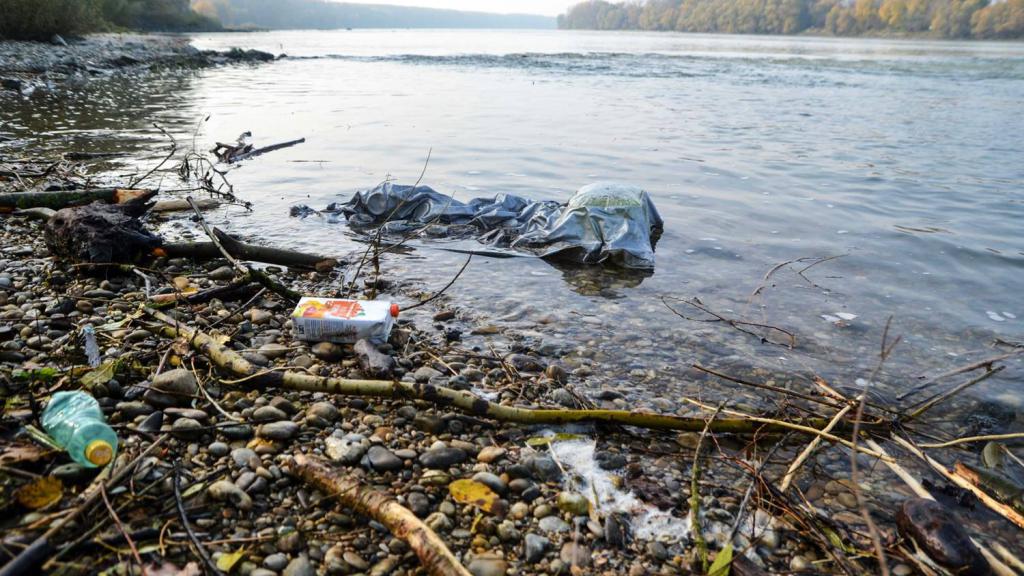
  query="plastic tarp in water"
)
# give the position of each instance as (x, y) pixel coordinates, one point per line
(602, 223)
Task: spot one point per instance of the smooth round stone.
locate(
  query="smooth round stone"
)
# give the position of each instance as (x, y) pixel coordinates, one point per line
(244, 457)
(186, 428)
(535, 547)
(383, 460)
(573, 503)
(275, 562)
(442, 457)
(575, 554)
(218, 449)
(268, 414)
(490, 454)
(941, 535)
(282, 430)
(273, 351)
(492, 481)
(553, 524)
(323, 410)
(355, 560)
(488, 565)
(419, 503)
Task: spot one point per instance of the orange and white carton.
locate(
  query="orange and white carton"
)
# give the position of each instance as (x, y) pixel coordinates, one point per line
(343, 321)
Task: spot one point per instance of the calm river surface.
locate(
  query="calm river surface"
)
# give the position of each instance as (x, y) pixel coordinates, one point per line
(905, 158)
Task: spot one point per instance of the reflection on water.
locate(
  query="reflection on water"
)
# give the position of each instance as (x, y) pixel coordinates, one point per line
(903, 157)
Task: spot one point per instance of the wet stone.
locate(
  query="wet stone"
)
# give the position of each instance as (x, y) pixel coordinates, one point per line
(419, 503)
(492, 481)
(186, 428)
(245, 457)
(218, 449)
(172, 388)
(575, 554)
(152, 423)
(236, 432)
(442, 458)
(348, 449)
(488, 565)
(553, 524)
(383, 460)
(941, 535)
(268, 414)
(275, 562)
(535, 547)
(282, 430)
(573, 502)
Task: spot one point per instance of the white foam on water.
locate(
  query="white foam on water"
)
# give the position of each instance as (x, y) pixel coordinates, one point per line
(994, 316)
(649, 523)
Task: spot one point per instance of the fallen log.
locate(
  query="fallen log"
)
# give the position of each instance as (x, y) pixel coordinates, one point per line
(435, 556)
(58, 199)
(251, 252)
(181, 205)
(472, 404)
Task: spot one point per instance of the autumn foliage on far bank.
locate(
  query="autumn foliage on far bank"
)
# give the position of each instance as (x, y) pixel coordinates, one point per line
(41, 19)
(978, 19)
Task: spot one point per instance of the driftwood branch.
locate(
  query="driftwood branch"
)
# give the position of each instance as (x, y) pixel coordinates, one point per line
(251, 252)
(435, 556)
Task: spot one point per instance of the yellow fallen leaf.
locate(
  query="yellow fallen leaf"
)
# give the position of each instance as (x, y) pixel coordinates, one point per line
(40, 493)
(227, 561)
(180, 282)
(473, 492)
(101, 375)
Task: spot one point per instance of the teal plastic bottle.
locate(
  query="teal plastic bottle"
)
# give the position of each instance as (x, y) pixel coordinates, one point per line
(74, 420)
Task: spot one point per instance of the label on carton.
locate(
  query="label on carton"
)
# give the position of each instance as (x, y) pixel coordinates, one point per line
(342, 321)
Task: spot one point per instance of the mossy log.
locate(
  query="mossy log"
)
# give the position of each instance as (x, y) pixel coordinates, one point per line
(471, 404)
(435, 556)
(58, 199)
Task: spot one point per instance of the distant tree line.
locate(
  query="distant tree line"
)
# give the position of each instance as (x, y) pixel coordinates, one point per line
(321, 14)
(981, 19)
(41, 19)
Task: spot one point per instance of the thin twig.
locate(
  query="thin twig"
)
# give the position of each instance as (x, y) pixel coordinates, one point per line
(442, 290)
(188, 527)
(120, 526)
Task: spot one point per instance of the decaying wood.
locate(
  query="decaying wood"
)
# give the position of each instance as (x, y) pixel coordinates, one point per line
(63, 198)
(101, 233)
(373, 362)
(249, 252)
(469, 403)
(435, 556)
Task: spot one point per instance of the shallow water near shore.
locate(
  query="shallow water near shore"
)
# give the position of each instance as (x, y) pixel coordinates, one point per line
(902, 158)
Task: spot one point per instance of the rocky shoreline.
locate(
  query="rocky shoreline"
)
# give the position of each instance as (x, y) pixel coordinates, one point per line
(29, 66)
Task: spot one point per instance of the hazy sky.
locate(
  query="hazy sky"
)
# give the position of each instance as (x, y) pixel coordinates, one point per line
(546, 7)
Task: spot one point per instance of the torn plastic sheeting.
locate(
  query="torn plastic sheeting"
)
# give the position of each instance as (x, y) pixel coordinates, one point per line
(602, 223)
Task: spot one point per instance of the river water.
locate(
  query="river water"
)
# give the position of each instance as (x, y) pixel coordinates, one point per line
(902, 159)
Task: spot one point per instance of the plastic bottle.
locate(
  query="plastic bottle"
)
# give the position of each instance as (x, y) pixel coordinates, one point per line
(74, 420)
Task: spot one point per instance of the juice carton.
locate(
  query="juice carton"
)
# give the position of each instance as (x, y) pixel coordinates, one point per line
(343, 321)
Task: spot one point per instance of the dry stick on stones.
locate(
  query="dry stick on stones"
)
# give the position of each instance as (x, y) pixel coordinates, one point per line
(474, 405)
(188, 527)
(435, 556)
(791, 472)
(985, 363)
(698, 534)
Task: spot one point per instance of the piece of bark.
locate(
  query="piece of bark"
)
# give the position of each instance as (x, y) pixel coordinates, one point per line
(63, 198)
(101, 233)
(251, 252)
(373, 362)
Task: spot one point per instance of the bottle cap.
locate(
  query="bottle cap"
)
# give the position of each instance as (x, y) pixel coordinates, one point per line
(394, 310)
(99, 452)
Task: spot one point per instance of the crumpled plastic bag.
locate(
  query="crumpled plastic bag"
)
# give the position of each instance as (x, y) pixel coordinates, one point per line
(602, 223)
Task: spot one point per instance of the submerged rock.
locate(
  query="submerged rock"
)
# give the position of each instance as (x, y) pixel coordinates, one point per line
(941, 535)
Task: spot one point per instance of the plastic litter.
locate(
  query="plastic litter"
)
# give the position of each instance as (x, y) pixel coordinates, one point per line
(343, 321)
(92, 349)
(75, 422)
(602, 223)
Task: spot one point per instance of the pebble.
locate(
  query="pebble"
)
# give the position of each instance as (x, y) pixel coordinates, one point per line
(492, 481)
(227, 491)
(268, 414)
(275, 562)
(575, 554)
(418, 503)
(151, 423)
(245, 457)
(323, 410)
(218, 449)
(425, 373)
(327, 351)
(573, 502)
(553, 524)
(488, 564)
(187, 428)
(348, 449)
(282, 430)
(223, 273)
(383, 460)
(355, 560)
(847, 499)
(535, 547)
(490, 453)
(273, 351)
(172, 388)
(442, 457)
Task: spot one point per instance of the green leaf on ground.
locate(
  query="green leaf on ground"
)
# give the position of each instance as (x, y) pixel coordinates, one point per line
(722, 563)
